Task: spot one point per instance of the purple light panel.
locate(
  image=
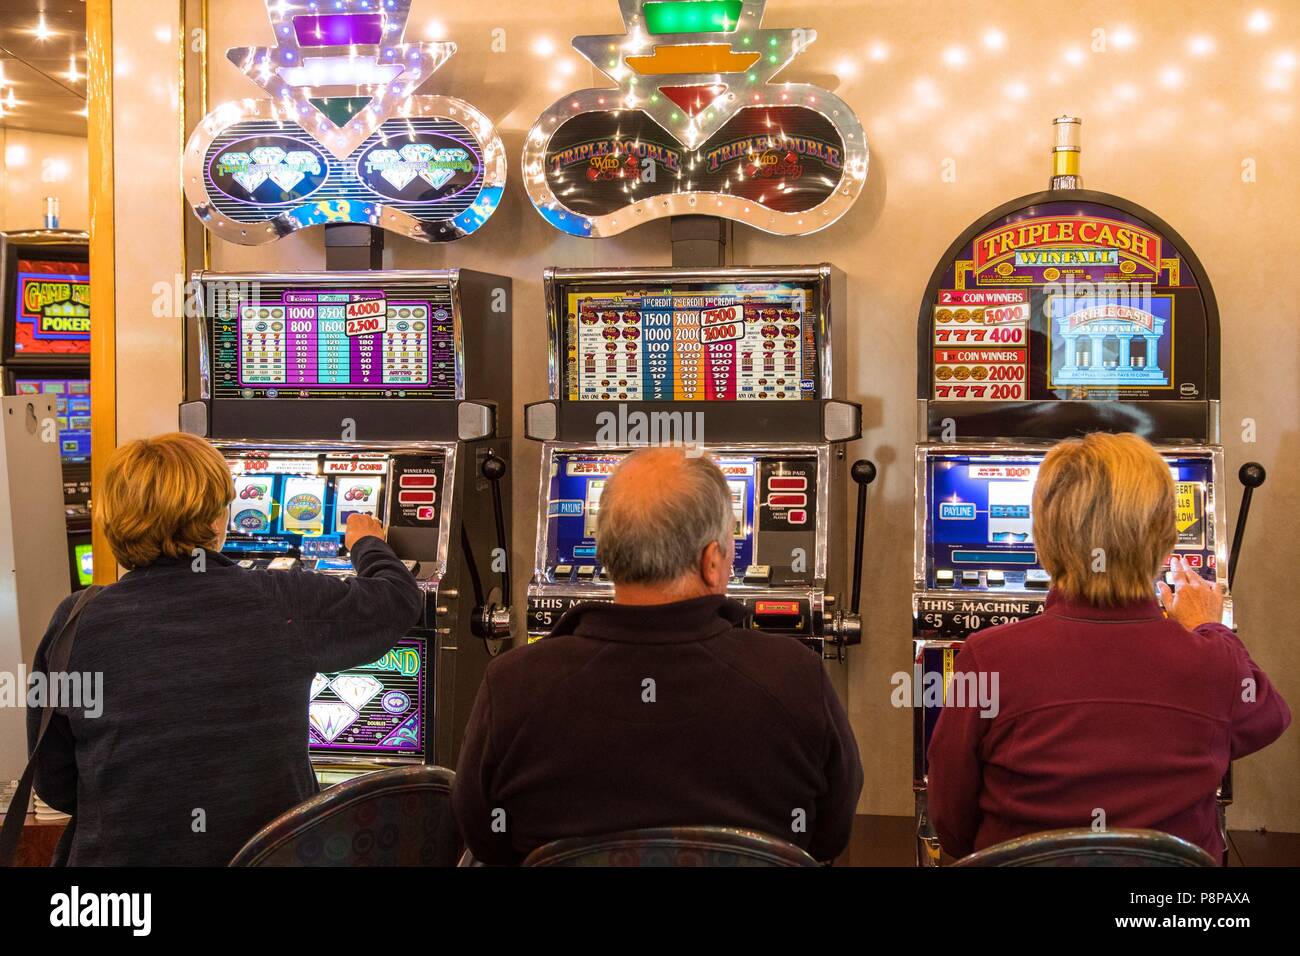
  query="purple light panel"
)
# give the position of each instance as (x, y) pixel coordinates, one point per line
(338, 29)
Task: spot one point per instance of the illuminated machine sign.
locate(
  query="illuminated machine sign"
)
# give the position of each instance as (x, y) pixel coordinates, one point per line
(699, 341)
(280, 340)
(1068, 299)
(345, 137)
(695, 127)
(52, 308)
(375, 709)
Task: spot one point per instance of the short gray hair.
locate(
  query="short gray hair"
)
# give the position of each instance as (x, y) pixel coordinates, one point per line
(656, 537)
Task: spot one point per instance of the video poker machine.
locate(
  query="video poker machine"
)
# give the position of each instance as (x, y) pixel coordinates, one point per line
(45, 350)
(377, 393)
(1056, 314)
(736, 362)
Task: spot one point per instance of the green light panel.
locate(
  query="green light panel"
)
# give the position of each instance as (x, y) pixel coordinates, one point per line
(692, 16)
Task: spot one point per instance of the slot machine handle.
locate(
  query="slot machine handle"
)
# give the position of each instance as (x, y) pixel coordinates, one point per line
(492, 617)
(847, 624)
(863, 473)
(1251, 475)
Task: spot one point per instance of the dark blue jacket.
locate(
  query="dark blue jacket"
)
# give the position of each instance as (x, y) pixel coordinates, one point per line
(203, 733)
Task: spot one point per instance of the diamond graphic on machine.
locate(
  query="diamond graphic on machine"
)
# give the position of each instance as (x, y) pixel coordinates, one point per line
(329, 718)
(695, 126)
(347, 130)
(356, 689)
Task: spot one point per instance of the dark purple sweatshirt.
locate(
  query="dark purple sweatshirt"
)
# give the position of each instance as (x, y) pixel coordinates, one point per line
(1119, 709)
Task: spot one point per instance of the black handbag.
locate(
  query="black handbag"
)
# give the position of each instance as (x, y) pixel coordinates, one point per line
(56, 662)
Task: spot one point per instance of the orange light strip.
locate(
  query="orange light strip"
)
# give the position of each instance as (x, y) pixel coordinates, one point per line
(103, 330)
(693, 58)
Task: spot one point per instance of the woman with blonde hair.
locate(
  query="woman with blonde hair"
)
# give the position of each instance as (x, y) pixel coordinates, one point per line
(1110, 709)
(201, 734)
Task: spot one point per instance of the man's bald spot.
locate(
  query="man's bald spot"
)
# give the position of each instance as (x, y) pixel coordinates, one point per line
(648, 476)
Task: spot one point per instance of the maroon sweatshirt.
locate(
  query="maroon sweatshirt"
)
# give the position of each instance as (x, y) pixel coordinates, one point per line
(670, 715)
(1119, 709)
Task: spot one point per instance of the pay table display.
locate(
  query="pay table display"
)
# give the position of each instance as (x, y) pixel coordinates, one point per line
(281, 342)
(980, 522)
(695, 341)
(773, 500)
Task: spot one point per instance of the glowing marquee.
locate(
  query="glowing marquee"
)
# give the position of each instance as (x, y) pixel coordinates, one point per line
(695, 127)
(344, 137)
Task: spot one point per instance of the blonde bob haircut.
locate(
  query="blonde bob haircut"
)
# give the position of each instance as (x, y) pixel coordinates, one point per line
(1104, 518)
(161, 497)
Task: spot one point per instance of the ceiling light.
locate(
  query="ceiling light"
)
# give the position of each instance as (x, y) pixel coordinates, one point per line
(42, 31)
(74, 75)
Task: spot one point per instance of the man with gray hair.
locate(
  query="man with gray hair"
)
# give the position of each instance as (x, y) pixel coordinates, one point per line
(660, 709)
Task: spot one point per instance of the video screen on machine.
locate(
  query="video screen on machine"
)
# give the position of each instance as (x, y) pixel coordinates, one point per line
(373, 710)
(300, 505)
(693, 341)
(980, 522)
(279, 341)
(72, 409)
(771, 497)
(51, 308)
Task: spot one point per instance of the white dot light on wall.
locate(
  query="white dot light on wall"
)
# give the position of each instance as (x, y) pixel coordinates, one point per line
(1259, 21)
(543, 46)
(1200, 45)
(1171, 78)
(994, 39)
(435, 30)
(1122, 38)
(879, 51)
(16, 156)
(955, 57)
(1073, 56)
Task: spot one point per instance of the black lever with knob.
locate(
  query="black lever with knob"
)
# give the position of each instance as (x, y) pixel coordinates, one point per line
(847, 624)
(1251, 475)
(491, 620)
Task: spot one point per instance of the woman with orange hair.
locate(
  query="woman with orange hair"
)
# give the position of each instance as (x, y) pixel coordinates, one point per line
(200, 735)
(1111, 711)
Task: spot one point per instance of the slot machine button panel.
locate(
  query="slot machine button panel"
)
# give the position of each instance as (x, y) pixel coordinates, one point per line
(758, 574)
(995, 579)
(943, 578)
(282, 563)
(1038, 580)
(562, 572)
(586, 572)
(970, 579)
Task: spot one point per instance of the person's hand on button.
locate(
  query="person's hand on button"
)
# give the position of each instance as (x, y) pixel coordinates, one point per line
(1192, 601)
(362, 526)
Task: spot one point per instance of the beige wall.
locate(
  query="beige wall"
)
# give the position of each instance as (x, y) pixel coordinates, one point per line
(1186, 111)
(36, 165)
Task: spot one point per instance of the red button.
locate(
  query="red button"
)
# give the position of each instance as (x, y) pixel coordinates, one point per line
(424, 514)
(798, 516)
(787, 484)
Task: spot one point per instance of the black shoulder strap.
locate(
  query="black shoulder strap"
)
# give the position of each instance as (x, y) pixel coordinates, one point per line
(56, 662)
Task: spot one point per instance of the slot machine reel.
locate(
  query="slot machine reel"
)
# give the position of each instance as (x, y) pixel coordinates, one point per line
(846, 625)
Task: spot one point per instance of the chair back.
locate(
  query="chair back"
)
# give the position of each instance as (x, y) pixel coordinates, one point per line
(672, 846)
(398, 817)
(1086, 847)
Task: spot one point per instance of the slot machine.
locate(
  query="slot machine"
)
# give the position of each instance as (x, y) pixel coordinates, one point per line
(319, 422)
(1059, 313)
(45, 350)
(359, 389)
(735, 362)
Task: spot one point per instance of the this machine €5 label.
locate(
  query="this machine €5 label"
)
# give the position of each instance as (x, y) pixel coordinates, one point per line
(344, 137)
(696, 126)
